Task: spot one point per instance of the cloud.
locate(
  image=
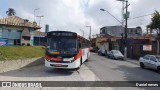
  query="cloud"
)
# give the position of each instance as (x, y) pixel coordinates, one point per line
(73, 15)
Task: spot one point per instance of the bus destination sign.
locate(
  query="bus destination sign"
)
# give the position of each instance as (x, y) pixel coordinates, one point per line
(64, 34)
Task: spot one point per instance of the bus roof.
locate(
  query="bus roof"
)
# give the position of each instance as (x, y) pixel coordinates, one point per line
(61, 32)
(78, 36)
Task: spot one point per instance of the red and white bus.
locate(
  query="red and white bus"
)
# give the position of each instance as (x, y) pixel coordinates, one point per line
(66, 50)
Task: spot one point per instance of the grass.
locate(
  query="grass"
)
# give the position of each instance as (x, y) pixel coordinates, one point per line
(20, 52)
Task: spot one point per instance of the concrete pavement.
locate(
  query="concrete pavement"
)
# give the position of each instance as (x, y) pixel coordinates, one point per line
(133, 61)
(114, 70)
(98, 68)
(42, 73)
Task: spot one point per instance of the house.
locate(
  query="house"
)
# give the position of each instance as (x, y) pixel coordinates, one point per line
(108, 42)
(40, 38)
(113, 38)
(17, 31)
(118, 31)
(114, 33)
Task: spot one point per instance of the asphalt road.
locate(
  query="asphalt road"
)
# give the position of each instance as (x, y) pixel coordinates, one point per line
(114, 70)
(42, 73)
(98, 68)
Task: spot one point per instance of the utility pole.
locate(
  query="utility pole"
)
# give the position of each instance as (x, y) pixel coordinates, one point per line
(126, 26)
(35, 12)
(126, 16)
(82, 31)
(39, 25)
(89, 32)
(122, 13)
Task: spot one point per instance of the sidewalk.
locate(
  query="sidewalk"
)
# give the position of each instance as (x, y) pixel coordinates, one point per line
(134, 61)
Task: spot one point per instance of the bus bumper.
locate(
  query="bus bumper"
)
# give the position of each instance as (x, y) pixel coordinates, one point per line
(74, 64)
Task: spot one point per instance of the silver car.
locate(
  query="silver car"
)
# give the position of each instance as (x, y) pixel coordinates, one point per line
(101, 52)
(150, 61)
(115, 54)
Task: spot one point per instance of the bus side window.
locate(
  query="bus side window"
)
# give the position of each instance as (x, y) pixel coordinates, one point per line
(79, 45)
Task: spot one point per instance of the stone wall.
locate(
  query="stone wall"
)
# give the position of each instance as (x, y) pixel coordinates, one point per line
(18, 64)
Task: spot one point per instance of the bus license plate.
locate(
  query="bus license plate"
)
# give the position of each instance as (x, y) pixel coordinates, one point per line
(58, 65)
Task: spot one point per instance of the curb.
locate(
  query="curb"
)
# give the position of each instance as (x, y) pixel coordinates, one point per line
(133, 62)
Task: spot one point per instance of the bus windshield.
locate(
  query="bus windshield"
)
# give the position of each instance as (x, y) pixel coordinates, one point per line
(62, 45)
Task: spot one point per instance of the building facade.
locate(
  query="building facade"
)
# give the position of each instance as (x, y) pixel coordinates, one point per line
(119, 31)
(17, 31)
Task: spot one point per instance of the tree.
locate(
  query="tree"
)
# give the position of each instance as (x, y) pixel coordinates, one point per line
(155, 24)
(11, 12)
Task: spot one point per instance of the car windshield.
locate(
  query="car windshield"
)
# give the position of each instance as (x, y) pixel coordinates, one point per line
(158, 58)
(117, 52)
(62, 45)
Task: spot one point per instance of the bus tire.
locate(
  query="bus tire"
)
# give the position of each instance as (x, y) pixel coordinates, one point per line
(81, 61)
(79, 64)
(87, 58)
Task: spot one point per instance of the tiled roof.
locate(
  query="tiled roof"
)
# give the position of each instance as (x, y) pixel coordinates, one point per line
(17, 21)
(38, 33)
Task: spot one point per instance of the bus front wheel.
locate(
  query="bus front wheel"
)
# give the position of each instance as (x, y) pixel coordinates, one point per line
(87, 58)
(79, 64)
(81, 61)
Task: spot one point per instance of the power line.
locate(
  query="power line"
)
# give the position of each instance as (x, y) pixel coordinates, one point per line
(140, 16)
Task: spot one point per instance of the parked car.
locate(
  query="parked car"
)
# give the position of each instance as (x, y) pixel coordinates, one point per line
(92, 49)
(150, 61)
(115, 54)
(101, 52)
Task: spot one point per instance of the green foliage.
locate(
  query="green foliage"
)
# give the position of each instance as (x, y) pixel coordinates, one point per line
(158, 37)
(155, 21)
(20, 52)
(11, 12)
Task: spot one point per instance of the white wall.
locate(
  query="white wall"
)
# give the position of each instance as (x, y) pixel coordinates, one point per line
(105, 46)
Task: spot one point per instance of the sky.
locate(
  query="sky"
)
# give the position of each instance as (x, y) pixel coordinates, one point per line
(73, 15)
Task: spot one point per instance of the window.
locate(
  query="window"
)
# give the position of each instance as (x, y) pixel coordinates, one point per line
(136, 31)
(9, 30)
(0, 33)
(152, 58)
(100, 31)
(146, 57)
(63, 45)
(158, 58)
(20, 31)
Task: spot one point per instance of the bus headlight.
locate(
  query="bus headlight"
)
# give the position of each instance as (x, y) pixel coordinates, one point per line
(68, 59)
(47, 59)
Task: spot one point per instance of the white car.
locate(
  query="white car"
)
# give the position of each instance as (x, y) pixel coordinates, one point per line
(150, 61)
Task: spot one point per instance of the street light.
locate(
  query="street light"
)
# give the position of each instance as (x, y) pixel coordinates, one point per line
(40, 19)
(89, 32)
(35, 12)
(82, 31)
(122, 11)
(39, 25)
(111, 15)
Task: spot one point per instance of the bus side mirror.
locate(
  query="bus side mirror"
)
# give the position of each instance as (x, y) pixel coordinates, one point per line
(44, 47)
